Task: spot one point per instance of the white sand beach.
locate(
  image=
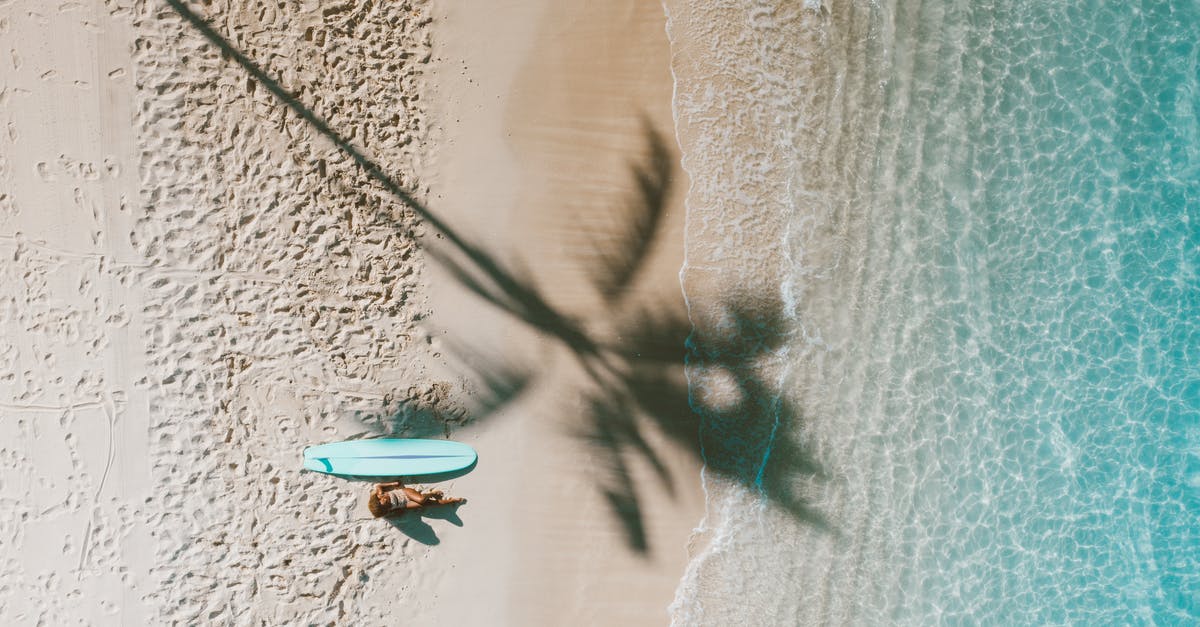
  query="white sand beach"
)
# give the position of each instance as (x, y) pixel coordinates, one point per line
(235, 229)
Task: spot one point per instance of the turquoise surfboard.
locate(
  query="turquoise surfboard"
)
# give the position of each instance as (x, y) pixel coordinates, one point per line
(391, 458)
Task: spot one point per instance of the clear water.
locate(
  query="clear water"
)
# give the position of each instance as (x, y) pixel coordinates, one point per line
(943, 265)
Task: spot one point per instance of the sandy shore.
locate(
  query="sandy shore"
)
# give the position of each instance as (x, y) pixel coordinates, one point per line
(559, 157)
(74, 403)
(203, 281)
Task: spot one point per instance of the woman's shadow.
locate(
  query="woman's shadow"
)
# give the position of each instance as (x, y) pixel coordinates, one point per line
(412, 522)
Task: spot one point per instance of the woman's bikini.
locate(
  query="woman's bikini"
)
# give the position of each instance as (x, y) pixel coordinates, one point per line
(395, 500)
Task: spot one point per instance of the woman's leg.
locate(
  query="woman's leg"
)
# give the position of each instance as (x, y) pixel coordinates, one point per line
(415, 499)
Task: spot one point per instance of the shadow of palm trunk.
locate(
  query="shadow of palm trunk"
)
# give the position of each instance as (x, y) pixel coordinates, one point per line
(636, 382)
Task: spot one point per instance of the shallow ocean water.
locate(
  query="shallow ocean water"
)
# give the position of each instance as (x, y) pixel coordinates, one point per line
(970, 236)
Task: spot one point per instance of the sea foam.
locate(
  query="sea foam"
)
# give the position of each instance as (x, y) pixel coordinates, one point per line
(946, 253)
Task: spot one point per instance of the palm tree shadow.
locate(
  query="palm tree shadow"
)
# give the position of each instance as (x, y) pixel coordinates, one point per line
(615, 261)
(497, 382)
(637, 382)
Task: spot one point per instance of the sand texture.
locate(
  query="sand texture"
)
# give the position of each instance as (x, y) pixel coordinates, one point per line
(197, 296)
(74, 451)
(290, 287)
(231, 229)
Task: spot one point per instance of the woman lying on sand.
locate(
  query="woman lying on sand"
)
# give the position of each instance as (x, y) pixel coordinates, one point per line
(393, 498)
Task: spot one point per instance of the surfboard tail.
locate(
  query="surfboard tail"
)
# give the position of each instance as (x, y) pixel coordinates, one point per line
(318, 464)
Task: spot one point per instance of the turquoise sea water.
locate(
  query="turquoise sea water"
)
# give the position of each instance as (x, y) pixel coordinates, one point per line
(976, 226)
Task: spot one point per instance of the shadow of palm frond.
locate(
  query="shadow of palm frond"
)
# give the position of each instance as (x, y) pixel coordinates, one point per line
(737, 437)
(637, 385)
(519, 297)
(430, 412)
(617, 259)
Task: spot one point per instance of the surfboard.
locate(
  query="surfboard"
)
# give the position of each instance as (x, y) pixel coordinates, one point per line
(391, 458)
